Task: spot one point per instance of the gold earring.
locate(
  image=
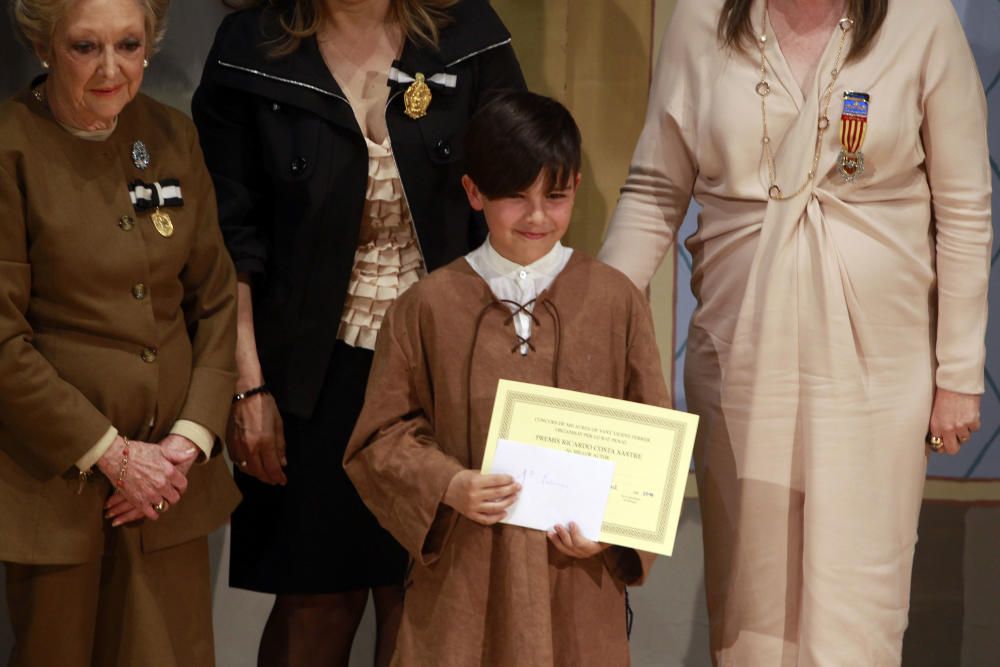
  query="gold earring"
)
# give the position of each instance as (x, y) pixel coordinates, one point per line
(45, 64)
(145, 63)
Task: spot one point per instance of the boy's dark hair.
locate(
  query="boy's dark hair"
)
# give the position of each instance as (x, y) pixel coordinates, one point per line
(516, 136)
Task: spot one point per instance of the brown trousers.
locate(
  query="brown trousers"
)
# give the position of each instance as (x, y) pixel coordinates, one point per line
(129, 608)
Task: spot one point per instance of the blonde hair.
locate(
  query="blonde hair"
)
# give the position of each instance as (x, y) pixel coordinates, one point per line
(421, 20)
(37, 19)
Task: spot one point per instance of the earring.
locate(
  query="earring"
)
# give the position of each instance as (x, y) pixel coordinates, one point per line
(145, 63)
(45, 64)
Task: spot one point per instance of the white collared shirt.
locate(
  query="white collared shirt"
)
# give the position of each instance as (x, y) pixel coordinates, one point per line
(510, 281)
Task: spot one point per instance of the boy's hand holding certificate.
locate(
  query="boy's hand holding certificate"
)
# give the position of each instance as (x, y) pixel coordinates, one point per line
(593, 460)
(557, 487)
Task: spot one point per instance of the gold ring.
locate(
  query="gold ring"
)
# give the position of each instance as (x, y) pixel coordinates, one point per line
(161, 507)
(936, 442)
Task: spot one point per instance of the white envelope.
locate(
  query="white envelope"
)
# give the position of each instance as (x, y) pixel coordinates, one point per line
(557, 487)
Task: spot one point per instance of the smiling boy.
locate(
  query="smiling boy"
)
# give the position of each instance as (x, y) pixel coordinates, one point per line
(521, 307)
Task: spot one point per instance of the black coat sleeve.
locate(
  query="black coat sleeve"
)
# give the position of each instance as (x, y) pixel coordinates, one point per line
(231, 144)
(498, 70)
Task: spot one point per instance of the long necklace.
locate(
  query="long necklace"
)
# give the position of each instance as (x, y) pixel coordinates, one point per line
(764, 89)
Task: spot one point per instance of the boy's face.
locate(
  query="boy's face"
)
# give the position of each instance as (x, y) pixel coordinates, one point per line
(526, 226)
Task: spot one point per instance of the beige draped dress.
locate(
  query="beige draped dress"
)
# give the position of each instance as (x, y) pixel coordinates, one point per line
(823, 322)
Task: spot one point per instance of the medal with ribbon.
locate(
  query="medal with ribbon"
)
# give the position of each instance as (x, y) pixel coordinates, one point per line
(153, 196)
(417, 98)
(853, 128)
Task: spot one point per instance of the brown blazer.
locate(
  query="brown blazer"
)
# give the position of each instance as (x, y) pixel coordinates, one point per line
(104, 322)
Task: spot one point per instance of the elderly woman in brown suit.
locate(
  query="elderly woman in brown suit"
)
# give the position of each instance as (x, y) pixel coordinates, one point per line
(117, 335)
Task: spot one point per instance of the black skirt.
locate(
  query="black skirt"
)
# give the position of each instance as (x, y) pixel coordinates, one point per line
(314, 535)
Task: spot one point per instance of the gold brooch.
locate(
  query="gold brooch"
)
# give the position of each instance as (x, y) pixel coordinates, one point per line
(417, 97)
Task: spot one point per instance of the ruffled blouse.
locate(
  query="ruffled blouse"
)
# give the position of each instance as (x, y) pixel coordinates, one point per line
(388, 258)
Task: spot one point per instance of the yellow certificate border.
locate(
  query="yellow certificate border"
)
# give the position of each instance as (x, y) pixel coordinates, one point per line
(658, 535)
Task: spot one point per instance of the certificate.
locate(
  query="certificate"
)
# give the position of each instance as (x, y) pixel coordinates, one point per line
(650, 447)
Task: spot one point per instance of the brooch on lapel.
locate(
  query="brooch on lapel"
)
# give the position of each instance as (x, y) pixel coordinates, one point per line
(140, 155)
(853, 128)
(153, 196)
(417, 98)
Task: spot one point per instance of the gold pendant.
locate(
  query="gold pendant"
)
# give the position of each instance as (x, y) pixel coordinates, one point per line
(164, 225)
(417, 98)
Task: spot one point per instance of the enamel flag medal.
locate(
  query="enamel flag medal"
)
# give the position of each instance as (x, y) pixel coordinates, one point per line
(417, 98)
(853, 128)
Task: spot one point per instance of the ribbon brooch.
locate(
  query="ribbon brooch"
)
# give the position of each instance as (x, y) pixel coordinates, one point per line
(853, 128)
(152, 196)
(417, 98)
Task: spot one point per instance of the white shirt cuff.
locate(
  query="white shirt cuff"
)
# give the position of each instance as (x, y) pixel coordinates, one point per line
(88, 460)
(202, 438)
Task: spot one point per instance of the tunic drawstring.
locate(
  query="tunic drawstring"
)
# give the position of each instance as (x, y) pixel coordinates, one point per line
(468, 377)
(503, 304)
(521, 308)
(554, 313)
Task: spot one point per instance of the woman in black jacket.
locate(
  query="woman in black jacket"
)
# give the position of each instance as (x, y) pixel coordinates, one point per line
(332, 129)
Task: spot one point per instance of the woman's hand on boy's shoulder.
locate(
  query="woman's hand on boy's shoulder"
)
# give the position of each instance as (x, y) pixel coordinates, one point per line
(481, 498)
(570, 541)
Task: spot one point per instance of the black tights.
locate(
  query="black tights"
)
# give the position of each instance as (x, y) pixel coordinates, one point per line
(318, 630)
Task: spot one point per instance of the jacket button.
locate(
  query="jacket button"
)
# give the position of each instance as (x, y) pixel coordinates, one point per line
(299, 165)
(275, 107)
(148, 355)
(139, 291)
(126, 223)
(443, 149)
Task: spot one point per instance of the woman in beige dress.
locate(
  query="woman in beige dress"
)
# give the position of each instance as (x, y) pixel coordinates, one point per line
(838, 151)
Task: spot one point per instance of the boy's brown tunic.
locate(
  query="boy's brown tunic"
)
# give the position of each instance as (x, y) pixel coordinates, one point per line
(497, 595)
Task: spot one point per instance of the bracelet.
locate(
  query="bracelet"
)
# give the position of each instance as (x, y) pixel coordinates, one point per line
(124, 465)
(262, 389)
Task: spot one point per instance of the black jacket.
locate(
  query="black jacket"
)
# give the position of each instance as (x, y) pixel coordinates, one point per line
(290, 167)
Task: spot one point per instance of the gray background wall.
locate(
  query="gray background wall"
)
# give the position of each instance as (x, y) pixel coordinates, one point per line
(955, 616)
